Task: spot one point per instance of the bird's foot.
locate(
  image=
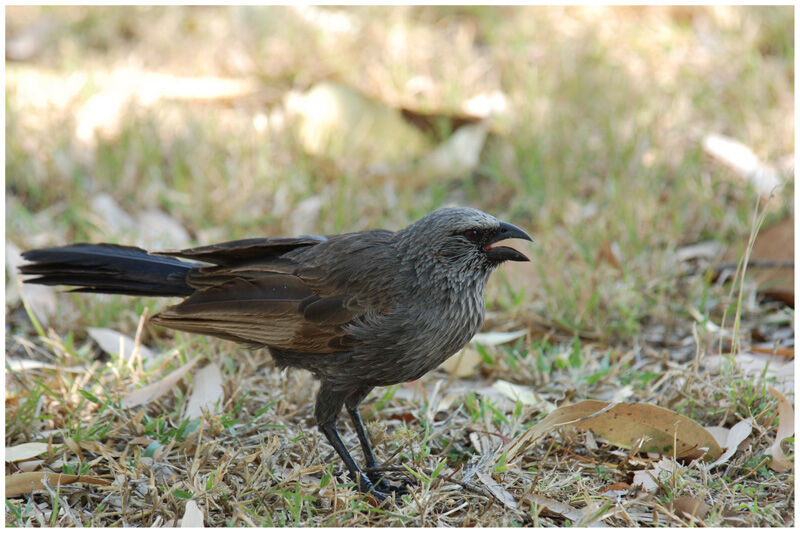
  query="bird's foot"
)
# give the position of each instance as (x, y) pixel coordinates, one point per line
(380, 490)
(376, 490)
(382, 484)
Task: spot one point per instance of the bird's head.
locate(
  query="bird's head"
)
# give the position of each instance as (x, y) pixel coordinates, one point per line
(465, 239)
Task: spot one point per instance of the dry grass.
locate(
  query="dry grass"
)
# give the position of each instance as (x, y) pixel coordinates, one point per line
(600, 150)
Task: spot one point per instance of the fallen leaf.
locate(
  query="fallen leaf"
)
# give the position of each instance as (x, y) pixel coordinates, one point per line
(28, 450)
(734, 437)
(702, 250)
(644, 480)
(772, 260)
(30, 466)
(116, 220)
(206, 391)
(493, 338)
(463, 363)
(779, 461)
(609, 252)
(102, 114)
(116, 343)
(623, 424)
(648, 479)
(158, 230)
(192, 516)
(742, 160)
(150, 392)
(27, 42)
(337, 121)
(23, 365)
(431, 123)
(26, 482)
(405, 417)
(561, 509)
(619, 486)
(754, 365)
(500, 493)
(304, 215)
(40, 298)
(774, 350)
(719, 433)
(518, 393)
(459, 154)
(691, 507)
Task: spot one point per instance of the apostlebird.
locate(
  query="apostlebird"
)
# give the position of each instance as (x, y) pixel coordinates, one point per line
(359, 310)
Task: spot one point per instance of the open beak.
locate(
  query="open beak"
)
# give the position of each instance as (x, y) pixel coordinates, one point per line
(506, 253)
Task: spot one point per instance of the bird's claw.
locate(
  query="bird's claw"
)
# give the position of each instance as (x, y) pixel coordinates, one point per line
(381, 484)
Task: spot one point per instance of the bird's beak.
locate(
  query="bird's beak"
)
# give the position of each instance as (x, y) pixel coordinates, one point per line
(506, 253)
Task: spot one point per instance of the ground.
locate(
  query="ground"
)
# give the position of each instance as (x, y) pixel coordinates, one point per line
(632, 143)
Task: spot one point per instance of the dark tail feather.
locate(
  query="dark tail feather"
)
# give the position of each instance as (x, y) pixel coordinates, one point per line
(108, 268)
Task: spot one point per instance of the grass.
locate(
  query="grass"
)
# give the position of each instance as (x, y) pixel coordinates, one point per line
(600, 149)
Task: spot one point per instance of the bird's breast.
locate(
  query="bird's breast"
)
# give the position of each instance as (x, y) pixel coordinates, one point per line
(417, 337)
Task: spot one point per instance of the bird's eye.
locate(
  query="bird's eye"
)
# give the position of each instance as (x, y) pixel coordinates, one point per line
(472, 235)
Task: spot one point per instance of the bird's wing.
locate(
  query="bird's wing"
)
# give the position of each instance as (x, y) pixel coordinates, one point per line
(268, 309)
(295, 294)
(246, 250)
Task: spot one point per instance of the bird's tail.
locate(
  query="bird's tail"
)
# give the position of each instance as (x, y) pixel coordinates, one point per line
(108, 268)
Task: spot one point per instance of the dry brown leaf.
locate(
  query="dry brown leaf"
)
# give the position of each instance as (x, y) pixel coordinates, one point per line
(609, 252)
(623, 424)
(25, 451)
(150, 392)
(31, 481)
(773, 245)
(691, 507)
(619, 486)
(206, 391)
(733, 438)
(779, 461)
(192, 516)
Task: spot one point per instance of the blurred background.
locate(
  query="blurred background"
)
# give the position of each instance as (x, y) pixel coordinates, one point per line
(614, 135)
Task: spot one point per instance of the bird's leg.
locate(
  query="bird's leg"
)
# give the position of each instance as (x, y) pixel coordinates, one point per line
(329, 403)
(351, 403)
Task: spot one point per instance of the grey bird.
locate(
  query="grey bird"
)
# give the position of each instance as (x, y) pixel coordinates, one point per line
(359, 310)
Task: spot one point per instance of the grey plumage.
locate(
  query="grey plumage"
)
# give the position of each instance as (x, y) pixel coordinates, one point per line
(358, 310)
